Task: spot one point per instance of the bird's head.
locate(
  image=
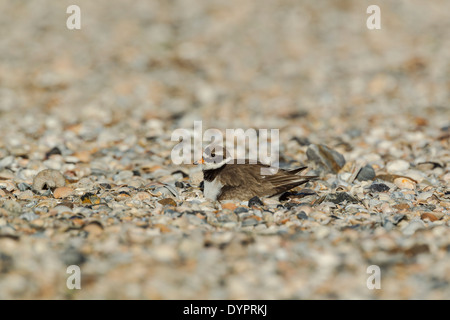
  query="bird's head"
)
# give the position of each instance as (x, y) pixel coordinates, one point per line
(214, 157)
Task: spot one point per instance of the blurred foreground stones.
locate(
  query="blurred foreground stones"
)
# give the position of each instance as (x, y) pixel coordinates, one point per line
(367, 110)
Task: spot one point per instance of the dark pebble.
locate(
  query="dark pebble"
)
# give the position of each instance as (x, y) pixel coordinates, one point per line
(366, 173)
(136, 173)
(353, 133)
(425, 207)
(179, 171)
(255, 201)
(23, 186)
(340, 197)
(73, 256)
(54, 150)
(379, 187)
(291, 205)
(303, 141)
(302, 193)
(172, 213)
(249, 222)
(302, 215)
(6, 263)
(179, 184)
(240, 210)
(326, 158)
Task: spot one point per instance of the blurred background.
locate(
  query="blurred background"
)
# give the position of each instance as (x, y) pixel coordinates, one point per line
(232, 64)
(139, 69)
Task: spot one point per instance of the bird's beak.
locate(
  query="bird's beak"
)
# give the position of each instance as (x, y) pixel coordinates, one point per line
(201, 161)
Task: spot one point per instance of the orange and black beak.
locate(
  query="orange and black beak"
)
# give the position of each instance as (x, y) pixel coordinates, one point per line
(201, 161)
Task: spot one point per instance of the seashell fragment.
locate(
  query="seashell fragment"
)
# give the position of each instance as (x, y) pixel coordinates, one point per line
(48, 179)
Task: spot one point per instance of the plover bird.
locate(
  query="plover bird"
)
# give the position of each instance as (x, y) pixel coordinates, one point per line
(226, 179)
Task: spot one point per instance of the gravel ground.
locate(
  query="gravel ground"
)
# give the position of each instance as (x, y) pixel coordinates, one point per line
(366, 110)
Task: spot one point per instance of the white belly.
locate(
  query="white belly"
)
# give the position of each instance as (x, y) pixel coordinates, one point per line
(211, 189)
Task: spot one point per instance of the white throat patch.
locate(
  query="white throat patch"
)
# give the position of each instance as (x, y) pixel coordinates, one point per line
(211, 189)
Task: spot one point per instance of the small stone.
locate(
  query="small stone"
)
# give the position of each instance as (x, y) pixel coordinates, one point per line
(8, 185)
(326, 158)
(412, 227)
(142, 196)
(83, 156)
(405, 183)
(397, 165)
(62, 192)
(196, 177)
(23, 186)
(90, 198)
(397, 218)
(240, 210)
(429, 216)
(227, 217)
(302, 215)
(29, 216)
(179, 184)
(48, 179)
(123, 175)
(401, 206)
(12, 206)
(379, 187)
(168, 202)
(229, 205)
(25, 195)
(72, 256)
(340, 197)
(6, 162)
(166, 190)
(249, 222)
(255, 201)
(94, 228)
(6, 174)
(424, 196)
(366, 173)
(52, 151)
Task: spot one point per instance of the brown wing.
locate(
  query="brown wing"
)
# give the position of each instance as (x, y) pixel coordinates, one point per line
(286, 180)
(245, 181)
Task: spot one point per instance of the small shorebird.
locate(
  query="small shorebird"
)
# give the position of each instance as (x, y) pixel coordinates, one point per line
(226, 179)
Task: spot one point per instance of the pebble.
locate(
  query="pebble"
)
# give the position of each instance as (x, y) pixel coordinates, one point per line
(424, 196)
(22, 186)
(93, 228)
(12, 206)
(404, 183)
(379, 187)
(62, 192)
(25, 195)
(340, 197)
(6, 162)
(326, 158)
(413, 227)
(167, 202)
(428, 216)
(255, 201)
(397, 166)
(229, 206)
(195, 178)
(302, 215)
(366, 173)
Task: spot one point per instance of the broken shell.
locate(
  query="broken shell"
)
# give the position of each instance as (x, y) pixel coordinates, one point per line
(48, 179)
